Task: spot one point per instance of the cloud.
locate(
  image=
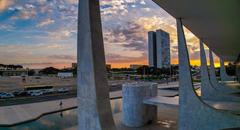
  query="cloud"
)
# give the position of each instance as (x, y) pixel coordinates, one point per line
(27, 14)
(24, 12)
(45, 22)
(63, 57)
(29, 6)
(116, 58)
(125, 28)
(111, 7)
(6, 27)
(4, 4)
(137, 45)
(41, 1)
(53, 46)
(128, 35)
(27, 54)
(72, 1)
(61, 33)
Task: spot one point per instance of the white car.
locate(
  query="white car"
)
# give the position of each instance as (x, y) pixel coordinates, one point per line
(46, 91)
(63, 90)
(6, 95)
(36, 93)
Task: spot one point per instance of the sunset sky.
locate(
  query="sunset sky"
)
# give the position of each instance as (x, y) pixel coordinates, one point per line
(41, 33)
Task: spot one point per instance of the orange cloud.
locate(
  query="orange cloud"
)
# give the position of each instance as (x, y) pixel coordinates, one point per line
(45, 22)
(4, 4)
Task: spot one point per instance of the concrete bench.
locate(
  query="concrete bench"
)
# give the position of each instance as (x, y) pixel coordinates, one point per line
(160, 100)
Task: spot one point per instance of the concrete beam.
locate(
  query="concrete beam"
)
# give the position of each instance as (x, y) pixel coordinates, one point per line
(94, 110)
(194, 114)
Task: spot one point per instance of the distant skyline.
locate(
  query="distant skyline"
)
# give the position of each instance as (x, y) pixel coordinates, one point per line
(42, 33)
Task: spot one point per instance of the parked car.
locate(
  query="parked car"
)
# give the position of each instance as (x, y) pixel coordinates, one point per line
(6, 95)
(20, 93)
(30, 92)
(36, 93)
(47, 91)
(63, 90)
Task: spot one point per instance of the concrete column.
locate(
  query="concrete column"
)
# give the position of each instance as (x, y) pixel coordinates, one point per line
(214, 80)
(94, 110)
(213, 77)
(194, 114)
(187, 95)
(135, 112)
(223, 74)
(208, 92)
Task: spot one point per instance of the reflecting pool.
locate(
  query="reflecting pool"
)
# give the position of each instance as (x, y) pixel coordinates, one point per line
(58, 121)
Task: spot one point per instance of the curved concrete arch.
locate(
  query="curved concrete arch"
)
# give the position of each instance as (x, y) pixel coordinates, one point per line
(94, 110)
(194, 113)
(208, 92)
(213, 78)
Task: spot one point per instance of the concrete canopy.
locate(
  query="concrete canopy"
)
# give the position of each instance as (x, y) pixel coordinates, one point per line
(216, 22)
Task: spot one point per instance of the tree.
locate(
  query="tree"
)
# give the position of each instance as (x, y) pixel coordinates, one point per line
(11, 67)
(143, 70)
(31, 72)
(49, 70)
(231, 69)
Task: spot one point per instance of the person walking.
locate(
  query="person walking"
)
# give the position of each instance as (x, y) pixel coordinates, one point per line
(60, 104)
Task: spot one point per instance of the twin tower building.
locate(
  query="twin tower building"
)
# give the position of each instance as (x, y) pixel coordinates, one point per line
(159, 49)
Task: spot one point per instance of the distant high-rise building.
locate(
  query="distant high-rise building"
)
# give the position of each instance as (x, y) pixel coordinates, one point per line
(159, 49)
(152, 55)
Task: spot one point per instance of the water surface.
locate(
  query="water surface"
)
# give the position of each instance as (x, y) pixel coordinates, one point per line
(58, 121)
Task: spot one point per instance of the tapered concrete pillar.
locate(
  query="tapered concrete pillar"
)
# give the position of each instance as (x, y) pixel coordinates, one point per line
(194, 114)
(214, 80)
(213, 77)
(223, 74)
(208, 92)
(94, 111)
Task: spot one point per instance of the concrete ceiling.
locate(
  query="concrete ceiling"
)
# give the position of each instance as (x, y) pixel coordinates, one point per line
(217, 22)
